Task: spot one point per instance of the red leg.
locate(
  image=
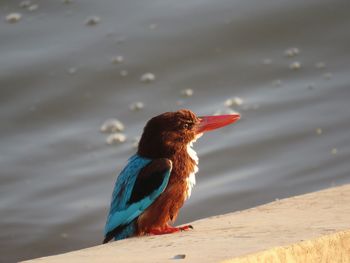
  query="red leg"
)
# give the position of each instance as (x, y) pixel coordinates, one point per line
(169, 230)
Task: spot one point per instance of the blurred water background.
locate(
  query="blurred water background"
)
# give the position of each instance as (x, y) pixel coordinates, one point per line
(287, 60)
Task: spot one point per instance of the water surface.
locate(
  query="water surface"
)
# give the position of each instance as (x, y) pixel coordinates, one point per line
(58, 85)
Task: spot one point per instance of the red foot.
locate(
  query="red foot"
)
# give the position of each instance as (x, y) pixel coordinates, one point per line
(186, 227)
(169, 230)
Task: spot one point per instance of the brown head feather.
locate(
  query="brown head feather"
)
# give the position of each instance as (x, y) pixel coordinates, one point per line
(166, 134)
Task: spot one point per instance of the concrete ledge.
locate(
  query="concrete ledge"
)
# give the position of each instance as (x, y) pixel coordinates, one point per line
(309, 228)
(329, 248)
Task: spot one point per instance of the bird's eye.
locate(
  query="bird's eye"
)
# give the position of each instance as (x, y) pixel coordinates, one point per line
(187, 126)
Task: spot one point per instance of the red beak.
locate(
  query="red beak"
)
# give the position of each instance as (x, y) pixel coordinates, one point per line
(208, 123)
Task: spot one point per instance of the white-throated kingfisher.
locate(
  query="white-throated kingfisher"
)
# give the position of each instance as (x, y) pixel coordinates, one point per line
(156, 181)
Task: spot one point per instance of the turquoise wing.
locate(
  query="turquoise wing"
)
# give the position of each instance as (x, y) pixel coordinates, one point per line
(136, 188)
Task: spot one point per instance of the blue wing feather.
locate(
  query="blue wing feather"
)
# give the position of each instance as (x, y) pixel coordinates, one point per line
(121, 212)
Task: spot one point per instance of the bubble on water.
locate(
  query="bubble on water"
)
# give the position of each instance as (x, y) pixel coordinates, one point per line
(148, 77)
(319, 131)
(187, 92)
(64, 235)
(296, 65)
(334, 151)
(277, 83)
(120, 40)
(328, 75)
(136, 106)
(267, 61)
(310, 86)
(135, 142)
(112, 125)
(292, 52)
(235, 101)
(116, 138)
(254, 106)
(230, 111)
(72, 70)
(117, 59)
(92, 21)
(25, 4)
(33, 7)
(13, 17)
(123, 73)
(153, 26)
(320, 65)
(225, 111)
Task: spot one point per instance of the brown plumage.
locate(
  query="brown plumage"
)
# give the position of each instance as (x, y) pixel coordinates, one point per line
(167, 136)
(157, 196)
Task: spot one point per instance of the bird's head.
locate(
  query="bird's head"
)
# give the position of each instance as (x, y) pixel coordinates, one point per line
(166, 133)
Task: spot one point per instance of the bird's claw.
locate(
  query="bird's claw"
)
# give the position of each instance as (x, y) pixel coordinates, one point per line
(185, 228)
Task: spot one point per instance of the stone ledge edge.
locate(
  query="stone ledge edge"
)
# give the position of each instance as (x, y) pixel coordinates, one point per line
(328, 248)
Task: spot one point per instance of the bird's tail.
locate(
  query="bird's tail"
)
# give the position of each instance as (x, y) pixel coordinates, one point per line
(107, 238)
(121, 232)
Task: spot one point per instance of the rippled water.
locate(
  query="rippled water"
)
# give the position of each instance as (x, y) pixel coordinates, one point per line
(58, 85)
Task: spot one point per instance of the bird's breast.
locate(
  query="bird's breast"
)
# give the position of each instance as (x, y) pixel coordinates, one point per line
(191, 178)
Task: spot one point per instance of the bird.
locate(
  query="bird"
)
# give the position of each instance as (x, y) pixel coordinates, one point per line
(158, 179)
